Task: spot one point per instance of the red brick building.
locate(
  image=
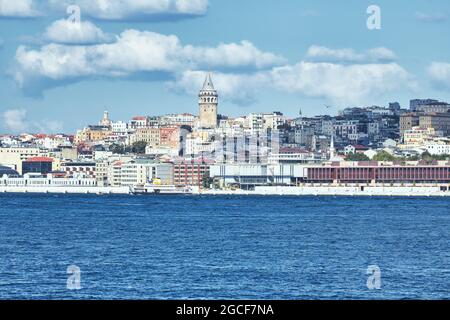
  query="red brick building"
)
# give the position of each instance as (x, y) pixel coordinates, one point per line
(372, 172)
(190, 173)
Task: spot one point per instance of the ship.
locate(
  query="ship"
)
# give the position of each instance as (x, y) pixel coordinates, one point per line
(155, 187)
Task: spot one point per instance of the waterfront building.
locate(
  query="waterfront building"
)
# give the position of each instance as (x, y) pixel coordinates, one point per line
(101, 172)
(248, 176)
(138, 172)
(13, 157)
(190, 173)
(50, 180)
(375, 172)
(115, 173)
(72, 169)
(208, 105)
(42, 165)
(7, 171)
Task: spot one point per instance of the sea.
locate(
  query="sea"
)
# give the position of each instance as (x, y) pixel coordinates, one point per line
(223, 247)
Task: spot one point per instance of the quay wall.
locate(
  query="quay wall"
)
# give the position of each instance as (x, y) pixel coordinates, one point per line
(405, 191)
(60, 189)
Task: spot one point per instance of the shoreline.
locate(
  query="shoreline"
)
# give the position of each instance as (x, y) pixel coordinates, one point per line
(327, 190)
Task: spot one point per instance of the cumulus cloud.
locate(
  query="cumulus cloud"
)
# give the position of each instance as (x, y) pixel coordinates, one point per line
(325, 54)
(133, 52)
(18, 8)
(439, 73)
(431, 17)
(338, 83)
(67, 32)
(342, 84)
(241, 69)
(233, 55)
(15, 121)
(134, 9)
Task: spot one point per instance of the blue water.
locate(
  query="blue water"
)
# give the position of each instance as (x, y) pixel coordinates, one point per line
(182, 247)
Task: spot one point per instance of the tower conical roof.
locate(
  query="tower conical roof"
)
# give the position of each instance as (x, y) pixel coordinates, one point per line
(208, 84)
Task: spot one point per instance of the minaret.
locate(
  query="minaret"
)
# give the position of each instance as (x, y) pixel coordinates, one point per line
(208, 102)
(332, 150)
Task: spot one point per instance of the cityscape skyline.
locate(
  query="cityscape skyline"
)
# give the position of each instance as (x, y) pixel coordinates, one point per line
(50, 72)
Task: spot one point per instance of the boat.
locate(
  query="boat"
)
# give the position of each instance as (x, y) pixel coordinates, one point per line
(154, 189)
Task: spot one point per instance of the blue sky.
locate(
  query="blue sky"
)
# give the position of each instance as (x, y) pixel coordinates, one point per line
(149, 57)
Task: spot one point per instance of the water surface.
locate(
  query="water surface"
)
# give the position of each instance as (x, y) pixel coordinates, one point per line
(194, 247)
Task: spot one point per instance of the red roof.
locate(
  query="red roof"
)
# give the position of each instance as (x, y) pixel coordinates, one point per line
(139, 118)
(360, 147)
(290, 150)
(39, 159)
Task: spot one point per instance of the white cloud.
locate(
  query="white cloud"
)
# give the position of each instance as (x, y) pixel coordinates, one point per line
(15, 121)
(132, 9)
(233, 55)
(341, 84)
(66, 32)
(439, 73)
(324, 54)
(18, 8)
(338, 83)
(133, 52)
(355, 78)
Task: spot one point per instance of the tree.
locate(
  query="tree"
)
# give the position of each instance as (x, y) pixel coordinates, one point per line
(117, 148)
(207, 180)
(430, 157)
(138, 147)
(357, 157)
(384, 156)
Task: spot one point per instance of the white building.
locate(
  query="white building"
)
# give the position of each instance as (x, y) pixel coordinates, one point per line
(438, 148)
(36, 180)
(119, 128)
(247, 176)
(183, 119)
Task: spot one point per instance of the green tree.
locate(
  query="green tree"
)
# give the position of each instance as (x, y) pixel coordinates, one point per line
(384, 156)
(117, 148)
(430, 157)
(206, 180)
(357, 157)
(138, 147)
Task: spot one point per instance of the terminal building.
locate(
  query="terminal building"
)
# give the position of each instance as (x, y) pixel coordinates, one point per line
(250, 176)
